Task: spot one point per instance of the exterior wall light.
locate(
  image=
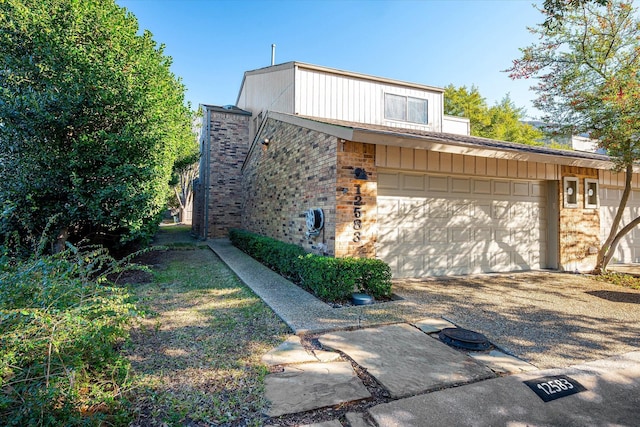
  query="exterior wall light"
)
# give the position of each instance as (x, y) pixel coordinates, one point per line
(361, 174)
(591, 194)
(570, 192)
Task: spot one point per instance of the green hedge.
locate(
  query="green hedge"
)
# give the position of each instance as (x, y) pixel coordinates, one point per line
(330, 279)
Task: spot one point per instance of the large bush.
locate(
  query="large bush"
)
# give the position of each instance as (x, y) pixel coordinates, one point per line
(331, 279)
(91, 121)
(60, 325)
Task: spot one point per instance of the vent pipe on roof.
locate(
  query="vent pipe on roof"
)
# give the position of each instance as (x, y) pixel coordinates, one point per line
(273, 54)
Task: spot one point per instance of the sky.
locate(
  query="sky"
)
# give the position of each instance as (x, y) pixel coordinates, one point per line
(430, 42)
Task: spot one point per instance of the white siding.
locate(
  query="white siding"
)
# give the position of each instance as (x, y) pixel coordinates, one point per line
(457, 125)
(338, 97)
(268, 91)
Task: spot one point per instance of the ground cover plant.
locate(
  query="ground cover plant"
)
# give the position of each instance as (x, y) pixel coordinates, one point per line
(196, 356)
(61, 324)
(624, 280)
(330, 279)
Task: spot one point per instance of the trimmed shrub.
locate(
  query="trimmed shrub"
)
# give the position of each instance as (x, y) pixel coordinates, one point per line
(330, 279)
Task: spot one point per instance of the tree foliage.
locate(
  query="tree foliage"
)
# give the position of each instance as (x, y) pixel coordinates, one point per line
(503, 121)
(91, 121)
(588, 72)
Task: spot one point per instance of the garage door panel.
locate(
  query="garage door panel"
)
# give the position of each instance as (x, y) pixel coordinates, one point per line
(463, 231)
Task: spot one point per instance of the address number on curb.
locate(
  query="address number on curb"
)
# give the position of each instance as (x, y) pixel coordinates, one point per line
(555, 387)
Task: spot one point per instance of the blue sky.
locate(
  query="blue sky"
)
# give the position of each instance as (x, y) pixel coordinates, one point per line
(432, 42)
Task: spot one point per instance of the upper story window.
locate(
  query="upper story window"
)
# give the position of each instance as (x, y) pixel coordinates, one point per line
(405, 108)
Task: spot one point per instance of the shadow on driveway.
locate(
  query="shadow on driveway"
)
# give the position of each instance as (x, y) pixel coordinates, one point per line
(548, 319)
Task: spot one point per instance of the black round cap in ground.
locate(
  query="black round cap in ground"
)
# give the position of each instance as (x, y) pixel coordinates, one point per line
(362, 299)
(464, 338)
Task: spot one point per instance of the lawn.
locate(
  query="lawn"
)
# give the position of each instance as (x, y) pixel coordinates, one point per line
(196, 355)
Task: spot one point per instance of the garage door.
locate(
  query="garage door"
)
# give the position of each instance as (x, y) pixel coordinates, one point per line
(628, 250)
(446, 225)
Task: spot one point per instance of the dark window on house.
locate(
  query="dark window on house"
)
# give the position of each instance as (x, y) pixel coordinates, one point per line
(405, 108)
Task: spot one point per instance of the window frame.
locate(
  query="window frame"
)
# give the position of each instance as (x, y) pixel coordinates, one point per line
(406, 118)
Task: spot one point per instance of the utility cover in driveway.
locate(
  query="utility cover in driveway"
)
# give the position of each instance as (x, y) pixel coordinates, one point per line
(405, 360)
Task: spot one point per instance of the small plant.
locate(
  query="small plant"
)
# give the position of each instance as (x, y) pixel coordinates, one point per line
(61, 323)
(330, 279)
(620, 279)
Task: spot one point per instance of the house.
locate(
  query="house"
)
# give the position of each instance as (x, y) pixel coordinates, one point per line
(347, 164)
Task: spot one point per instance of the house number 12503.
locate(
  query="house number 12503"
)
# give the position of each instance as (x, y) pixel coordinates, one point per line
(357, 215)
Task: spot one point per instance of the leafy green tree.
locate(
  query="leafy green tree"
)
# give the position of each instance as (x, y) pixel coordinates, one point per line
(91, 121)
(503, 121)
(588, 72)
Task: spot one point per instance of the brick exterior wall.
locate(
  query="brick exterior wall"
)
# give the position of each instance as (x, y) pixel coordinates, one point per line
(282, 181)
(356, 208)
(579, 227)
(221, 174)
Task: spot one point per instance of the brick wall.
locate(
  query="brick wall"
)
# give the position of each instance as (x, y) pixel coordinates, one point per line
(579, 227)
(220, 200)
(356, 201)
(282, 181)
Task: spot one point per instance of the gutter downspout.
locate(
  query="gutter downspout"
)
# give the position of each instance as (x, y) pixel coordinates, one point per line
(208, 173)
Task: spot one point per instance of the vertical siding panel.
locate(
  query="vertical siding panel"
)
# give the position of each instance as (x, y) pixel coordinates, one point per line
(457, 163)
(502, 168)
(381, 155)
(445, 162)
(469, 165)
(532, 169)
(433, 161)
(541, 171)
(420, 159)
(492, 167)
(522, 169)
(550, 172)
(393, 157)
(406, 158)
(481, 165)
(512, 168)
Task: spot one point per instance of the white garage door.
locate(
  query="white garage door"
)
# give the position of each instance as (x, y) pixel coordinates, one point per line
(628, 250)
(443, 225)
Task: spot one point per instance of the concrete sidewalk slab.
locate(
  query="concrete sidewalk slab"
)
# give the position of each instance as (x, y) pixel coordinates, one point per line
(612, 397)
(292, 351)
(404, 360)
(311, 386)
(502, 363)
(433, 325)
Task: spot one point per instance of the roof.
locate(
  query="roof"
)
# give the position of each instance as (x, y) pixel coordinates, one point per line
(230, 109)
(445, 142)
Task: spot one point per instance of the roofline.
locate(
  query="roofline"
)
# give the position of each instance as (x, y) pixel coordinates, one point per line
(304, 65)
(229, 109)
(451, 143)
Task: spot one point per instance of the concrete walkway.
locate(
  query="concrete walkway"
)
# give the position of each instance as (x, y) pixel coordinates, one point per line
(428, 383)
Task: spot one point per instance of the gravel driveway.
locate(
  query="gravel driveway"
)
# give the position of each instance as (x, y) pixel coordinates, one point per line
(548, 319)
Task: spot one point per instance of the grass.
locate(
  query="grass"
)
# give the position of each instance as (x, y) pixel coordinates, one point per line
(196, 358)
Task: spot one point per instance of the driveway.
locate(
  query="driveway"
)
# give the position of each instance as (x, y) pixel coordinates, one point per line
(548, 319)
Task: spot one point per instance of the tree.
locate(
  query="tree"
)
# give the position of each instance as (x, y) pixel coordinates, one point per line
(555, 9)
(503, 121)
(185, 170)
(588, 72)
(91, 121)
